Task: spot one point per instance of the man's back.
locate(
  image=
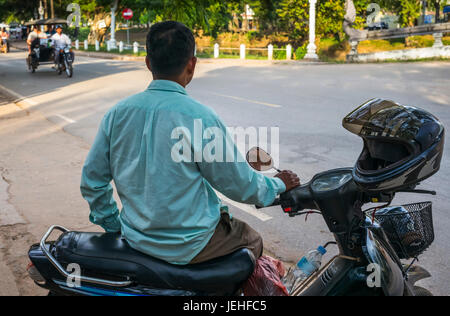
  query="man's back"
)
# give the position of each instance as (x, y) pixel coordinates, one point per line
(169, 211)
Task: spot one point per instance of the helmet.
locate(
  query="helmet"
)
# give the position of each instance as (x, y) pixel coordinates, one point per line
(403, 145)
(59, 26)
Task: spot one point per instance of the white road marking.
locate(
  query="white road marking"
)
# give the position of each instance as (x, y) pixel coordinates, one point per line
(65, 118)
(246, 208)
(247, 100)
(18, 97)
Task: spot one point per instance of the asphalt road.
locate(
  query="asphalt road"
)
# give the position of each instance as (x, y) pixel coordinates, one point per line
(307, 103)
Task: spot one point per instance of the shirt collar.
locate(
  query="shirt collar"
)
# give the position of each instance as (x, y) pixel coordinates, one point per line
(166, 85)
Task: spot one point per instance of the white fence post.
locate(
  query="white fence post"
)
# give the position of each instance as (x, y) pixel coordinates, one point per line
(77, 44)
(136, 47)
(270, 52)
(97, 45)
(243, 51)
(86, 45)
(289, 52)
(108, 46)
(121, 46)
(216, 50)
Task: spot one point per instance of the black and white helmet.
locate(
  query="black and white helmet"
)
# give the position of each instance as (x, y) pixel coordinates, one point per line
(403, 145)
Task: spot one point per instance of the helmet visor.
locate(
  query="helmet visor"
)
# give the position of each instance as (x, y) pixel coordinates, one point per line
(384, 118)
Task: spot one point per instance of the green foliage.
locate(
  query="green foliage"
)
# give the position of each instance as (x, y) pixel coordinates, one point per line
(294, 15)
(212, 17)
(83, 33)
(301, 52)
(279, 53)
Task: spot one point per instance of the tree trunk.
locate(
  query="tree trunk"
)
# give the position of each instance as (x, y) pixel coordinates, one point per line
(98, 33)
(437, 6)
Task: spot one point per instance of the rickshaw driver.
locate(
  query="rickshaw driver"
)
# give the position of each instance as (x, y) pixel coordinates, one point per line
(60, 41)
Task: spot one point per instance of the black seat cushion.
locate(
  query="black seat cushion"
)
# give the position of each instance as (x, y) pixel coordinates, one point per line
(110, 255)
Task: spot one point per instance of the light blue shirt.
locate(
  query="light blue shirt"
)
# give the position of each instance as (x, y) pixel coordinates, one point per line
(170, 209)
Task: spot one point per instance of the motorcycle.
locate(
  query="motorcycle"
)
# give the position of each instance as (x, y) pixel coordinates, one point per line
(66, 59)
(372, 244)
(43, 53)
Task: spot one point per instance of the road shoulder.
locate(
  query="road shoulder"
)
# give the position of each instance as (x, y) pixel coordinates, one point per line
(40, 170)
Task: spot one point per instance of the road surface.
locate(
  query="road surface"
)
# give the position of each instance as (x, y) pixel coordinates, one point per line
(306, 102)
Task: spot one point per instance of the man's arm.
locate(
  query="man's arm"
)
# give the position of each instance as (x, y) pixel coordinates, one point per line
(96, 180)
(68, 40)
(237, 180)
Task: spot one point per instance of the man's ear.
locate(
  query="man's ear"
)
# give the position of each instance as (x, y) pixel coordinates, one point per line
(147, 62)
(192, 64)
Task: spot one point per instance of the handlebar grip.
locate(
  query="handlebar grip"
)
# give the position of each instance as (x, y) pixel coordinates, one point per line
(275, 203)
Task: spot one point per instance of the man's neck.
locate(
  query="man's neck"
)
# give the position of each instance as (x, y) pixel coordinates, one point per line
(180, 81)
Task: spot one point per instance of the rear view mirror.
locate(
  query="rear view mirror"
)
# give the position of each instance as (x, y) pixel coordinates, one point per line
(259, 159)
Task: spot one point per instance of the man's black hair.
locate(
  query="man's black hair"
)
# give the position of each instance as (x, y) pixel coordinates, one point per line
(170, 45)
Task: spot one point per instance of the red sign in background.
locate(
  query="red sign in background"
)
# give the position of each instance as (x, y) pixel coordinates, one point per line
(127, 14)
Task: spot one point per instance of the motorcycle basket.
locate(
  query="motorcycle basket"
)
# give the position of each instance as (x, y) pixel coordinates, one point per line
(410, 232)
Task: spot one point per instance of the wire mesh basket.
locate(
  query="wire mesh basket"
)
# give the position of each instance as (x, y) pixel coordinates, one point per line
(409, 228)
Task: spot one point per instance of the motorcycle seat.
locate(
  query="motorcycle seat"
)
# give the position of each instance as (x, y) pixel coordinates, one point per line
(110, 255)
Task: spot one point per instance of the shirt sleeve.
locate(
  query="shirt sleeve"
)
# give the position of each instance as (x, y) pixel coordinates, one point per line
(96, 180)
(67, 40)
(232, 175)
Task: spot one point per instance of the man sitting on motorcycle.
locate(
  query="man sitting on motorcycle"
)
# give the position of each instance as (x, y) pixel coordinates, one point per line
(35, 34)
(60, 41)
(170, 208)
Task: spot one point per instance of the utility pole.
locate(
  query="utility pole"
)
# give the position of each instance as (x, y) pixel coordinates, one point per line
(45, 10)
(114, 8)
(312, 55)
(41, 14)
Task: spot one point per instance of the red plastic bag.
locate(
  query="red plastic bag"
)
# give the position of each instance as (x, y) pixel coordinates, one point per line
(266, 279)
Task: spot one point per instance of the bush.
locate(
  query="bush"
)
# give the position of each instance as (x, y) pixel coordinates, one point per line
(279, 54)
(300, 52)
(83, 33)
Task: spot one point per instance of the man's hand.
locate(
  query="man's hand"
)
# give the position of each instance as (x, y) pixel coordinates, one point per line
(290, 179)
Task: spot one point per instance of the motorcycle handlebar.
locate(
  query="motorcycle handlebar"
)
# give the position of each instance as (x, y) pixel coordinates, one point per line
(275, 203)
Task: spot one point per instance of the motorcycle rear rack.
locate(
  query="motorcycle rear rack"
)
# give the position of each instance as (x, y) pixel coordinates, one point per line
(65, 274)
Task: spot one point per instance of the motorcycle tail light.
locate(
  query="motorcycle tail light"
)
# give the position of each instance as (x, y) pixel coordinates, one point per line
(34, 274)
(288, 209)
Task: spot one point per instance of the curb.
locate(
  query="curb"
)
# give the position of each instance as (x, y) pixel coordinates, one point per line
(109, 56)
(95, 54)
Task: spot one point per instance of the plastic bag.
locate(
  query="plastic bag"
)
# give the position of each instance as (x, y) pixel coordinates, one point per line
(266, 279)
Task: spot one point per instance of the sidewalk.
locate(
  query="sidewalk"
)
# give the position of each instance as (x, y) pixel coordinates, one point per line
(40, 170)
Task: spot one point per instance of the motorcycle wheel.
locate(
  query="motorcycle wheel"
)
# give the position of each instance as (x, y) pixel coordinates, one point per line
(420, 291)
(69, 69)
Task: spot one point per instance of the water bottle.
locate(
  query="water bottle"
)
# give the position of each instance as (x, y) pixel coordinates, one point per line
(304, 268)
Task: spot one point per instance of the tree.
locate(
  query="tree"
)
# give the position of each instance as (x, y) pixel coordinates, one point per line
(294, 14)
(19, 10)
